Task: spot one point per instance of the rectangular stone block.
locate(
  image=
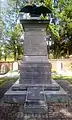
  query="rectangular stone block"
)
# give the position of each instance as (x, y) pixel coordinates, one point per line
(35, 94)
(35, 42)
(35, 73)
(35, 107)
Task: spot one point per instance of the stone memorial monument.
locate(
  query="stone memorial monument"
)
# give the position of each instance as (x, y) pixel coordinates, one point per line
(35, 87)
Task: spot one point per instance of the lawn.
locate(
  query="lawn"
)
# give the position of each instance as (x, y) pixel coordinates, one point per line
(6, 79)
(55, 77)
(60, 77)
(10, 76)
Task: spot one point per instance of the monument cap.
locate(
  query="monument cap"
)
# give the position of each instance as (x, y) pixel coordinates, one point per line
(35, 10)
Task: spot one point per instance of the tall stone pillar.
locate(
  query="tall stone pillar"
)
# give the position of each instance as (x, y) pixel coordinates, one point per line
(35, 68)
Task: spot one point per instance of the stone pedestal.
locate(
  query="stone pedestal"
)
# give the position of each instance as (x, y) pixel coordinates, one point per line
(35, 68)
(35, 87)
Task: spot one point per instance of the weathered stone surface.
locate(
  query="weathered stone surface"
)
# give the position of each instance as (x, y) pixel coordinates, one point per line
(35, 68)
(34, 39)
(35, 73)
(35, 59)
(35, 88)
(35, 94)
(35, 107)
(20, 93)
(35, 44)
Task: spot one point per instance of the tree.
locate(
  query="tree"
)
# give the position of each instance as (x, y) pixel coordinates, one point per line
(48, 3)
(1, 24)
(60, 26)
(14, 41)
(0, 53)
(66, 25)
(7, 22)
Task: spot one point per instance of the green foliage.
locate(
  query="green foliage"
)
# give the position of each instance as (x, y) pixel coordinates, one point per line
(60, 77)
(0, 53)
(1, 30)
(4, 80)
(61, 33)
(14, 41)
(48, 3)
(53, 30)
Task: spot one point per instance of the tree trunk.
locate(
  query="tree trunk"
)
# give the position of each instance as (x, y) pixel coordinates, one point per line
(68, 52)
(15, 55)
(5, 58)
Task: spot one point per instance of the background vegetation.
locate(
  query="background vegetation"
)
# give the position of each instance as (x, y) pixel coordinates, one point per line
(59, 30)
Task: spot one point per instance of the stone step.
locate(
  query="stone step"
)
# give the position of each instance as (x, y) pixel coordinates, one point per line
(56, 88)
(35, 78)
(25, 87)
(35, 107)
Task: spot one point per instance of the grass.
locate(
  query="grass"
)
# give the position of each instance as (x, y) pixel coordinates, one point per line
(5, 80)
(1, 81)
(60, 77)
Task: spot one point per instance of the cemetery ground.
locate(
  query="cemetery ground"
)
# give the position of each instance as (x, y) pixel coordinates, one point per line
(56, 111)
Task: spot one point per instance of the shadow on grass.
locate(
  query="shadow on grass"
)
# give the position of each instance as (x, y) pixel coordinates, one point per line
(60, 77)
(7, 79)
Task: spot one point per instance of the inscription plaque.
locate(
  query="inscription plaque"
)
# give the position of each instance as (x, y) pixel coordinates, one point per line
(35, 42)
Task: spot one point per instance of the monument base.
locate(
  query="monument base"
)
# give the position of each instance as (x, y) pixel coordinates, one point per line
(21, 94)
